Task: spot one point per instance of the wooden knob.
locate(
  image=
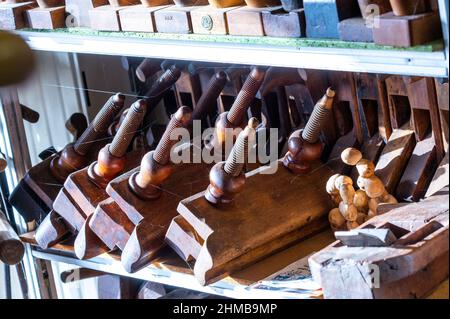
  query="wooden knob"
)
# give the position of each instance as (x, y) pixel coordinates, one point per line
(155, 165)
(227, 178)
(111, 158)
(73, 157)
(351, 156)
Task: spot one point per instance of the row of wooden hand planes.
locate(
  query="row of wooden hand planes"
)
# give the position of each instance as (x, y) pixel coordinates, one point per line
(114, 190)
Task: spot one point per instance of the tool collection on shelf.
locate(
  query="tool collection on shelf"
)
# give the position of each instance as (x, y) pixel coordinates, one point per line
(252, 161)
(398, 23)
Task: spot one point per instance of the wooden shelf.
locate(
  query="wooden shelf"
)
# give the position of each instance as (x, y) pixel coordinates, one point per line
(426, 60)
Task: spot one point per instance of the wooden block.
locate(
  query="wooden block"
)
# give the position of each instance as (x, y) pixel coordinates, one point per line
(323, 16)
(210, 20)
(174, 19)
(355, 30)
(395, 157)
(279, 23)
(242, 233)
(105, 18)
(367, 7)
(442, 99)
(246, 21)
(13, 15)
(47, 18)
(139, 18)
(410, 268)
(407, 31)
(378, 237)
(440, 178)
(150, 219)
(111, 224)
(78, 10)
(80, 196)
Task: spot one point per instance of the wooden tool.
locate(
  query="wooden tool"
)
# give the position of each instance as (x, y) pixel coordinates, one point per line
(148, 196)
(441, 177)
(13, 14)
(11, 248)
(106, 17)
(323, 16)
(410, 267)
(141, 18)
(348, 124)
(399, 147)
(410, 23)
(229, 235)
(110, 223)
(360, 28)
(33, 197)
(49, 15)
(78, 11)
(84, 189)
(236, 116)
(177, 18)
(212, 19)
(429, 150)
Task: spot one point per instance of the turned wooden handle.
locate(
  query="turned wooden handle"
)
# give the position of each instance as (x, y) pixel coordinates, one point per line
(246, 96)
(100, 123)
(209, 97)
(147, 68)
(29, 114)
(11, 248)
(164, 82)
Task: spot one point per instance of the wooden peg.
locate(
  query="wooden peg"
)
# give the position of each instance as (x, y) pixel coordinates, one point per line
(236, 116)
(11, 248)
(73, 157)
(304, 145)
(227, 178)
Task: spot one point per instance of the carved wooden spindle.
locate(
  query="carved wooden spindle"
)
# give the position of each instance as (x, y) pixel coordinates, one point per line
(235, 117)
(156, 166)
(111, 158)
(304, 145)
(227, 178)
(210, 95)
(73, 157)
(165, 81)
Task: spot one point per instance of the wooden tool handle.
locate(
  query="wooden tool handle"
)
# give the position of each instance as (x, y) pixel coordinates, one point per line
(165, 81)
(209, 96)
(100, 123)
(155, 165)
(147, 68)
(246, 96)
(28, 114)
(318, 117)
(11, 248)
(128, 129)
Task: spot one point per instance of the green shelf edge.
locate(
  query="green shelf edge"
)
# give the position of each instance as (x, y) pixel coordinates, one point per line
(295, 43)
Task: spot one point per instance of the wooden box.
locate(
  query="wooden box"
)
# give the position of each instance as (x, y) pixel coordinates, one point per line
(408, 31)
(139, 18)
(279, 23)
(47, 18)
(210, 20)
(13, 15)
